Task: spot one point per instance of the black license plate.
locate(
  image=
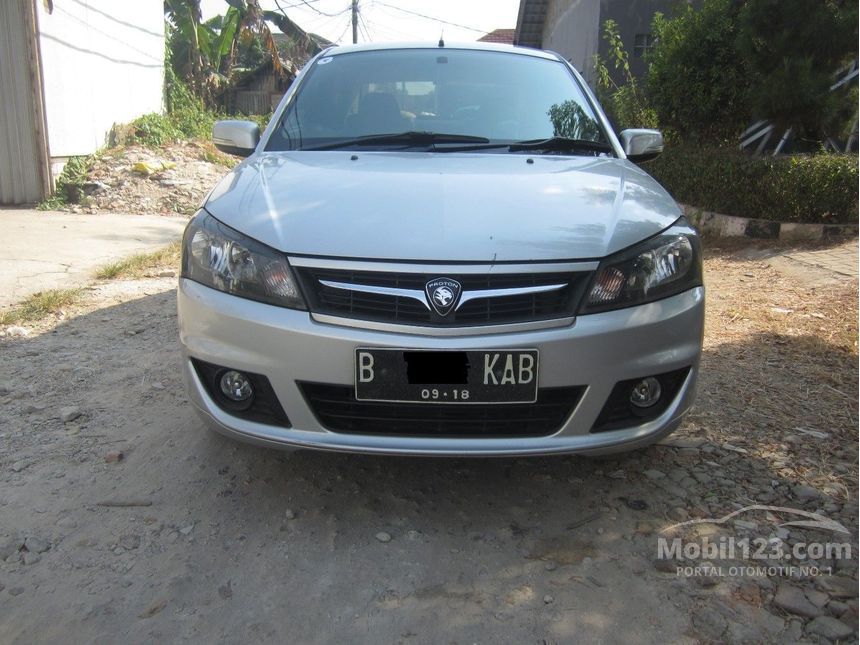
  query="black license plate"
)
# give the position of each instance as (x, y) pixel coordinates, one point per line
(422, 376)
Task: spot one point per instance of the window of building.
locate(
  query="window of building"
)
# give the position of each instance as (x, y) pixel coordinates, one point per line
(642, 44)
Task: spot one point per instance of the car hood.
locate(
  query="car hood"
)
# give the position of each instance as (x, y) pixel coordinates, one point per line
(444, 207)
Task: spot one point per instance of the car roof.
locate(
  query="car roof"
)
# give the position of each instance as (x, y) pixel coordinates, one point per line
(336, 50)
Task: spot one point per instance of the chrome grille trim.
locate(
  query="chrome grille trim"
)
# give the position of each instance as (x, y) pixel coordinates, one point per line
(421, 296)
(417, 330)
(382, 291)
(501, 293)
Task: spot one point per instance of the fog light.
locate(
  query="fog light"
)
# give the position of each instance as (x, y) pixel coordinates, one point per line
(236, 386)
(645, 393)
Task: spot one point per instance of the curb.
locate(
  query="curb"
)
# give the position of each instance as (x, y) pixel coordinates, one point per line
(721, 225)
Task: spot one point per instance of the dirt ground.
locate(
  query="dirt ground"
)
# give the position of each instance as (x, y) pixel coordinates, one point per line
(123, 520)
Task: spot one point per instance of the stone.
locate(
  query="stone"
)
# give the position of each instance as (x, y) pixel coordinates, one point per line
(290, 514)
(17, 331)
(31, 558)
(666, 565)
(383, 537)
(709, 624)
(69, 413)
(837, 607)
(167, 274)
(129, 541)
(67, 523)
(617, 474)
(793, 600)
(33, 408)
(829, 627)
(794, 631)
(678, 474)
(16, 591)
(114, 456)
(817, 598)
(653, 474)
(18, 466)
(35, 544)
(837, 586)
(550, 566)
(548, 600)
(186, 530)
(9, 546)
(804, 492)
(750, 592)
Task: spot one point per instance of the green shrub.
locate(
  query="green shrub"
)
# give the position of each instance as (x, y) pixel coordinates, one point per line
(153, 130)
(697, 82)
(69, 187)
(820, 189)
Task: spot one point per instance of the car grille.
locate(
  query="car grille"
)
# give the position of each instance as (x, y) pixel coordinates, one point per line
(337, 409)
(508, 309)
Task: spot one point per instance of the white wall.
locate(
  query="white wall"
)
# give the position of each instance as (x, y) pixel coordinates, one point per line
(572, 28)
(102, 63)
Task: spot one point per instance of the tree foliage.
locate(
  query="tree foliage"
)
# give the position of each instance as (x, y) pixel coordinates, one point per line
(792, 49)
(697, 83)
(716, 68)
(204, 55)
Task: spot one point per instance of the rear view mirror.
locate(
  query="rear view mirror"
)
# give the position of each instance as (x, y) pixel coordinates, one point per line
(641, 145)
(238, 138)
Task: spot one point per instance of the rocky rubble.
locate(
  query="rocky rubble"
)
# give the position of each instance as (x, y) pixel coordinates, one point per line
(166, 181)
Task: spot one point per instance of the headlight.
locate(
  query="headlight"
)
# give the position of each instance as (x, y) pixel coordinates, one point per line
(220, 257)
(659, 267)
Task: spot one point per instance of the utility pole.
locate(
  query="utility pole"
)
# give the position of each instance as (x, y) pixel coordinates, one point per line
(354, 21)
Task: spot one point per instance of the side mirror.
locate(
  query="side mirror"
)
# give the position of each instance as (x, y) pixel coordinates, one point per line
(641, 145)
(238, 138)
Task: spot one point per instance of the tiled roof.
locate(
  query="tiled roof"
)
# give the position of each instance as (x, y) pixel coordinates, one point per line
(504, 36)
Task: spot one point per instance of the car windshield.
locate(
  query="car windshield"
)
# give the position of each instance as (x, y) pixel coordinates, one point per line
(494, 97)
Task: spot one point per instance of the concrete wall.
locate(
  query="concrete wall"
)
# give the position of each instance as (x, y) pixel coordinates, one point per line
(103, 63)
(572, 28)
(24, 175)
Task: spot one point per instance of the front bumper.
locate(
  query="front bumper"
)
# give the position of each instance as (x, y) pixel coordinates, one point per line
(288, 346)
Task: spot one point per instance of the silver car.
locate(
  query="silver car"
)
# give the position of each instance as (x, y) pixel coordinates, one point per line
(441, 251)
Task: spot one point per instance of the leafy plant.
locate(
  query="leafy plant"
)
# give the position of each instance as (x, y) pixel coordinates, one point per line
(69, 187)
(626, 104)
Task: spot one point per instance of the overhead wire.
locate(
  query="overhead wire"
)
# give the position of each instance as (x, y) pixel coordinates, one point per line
(426, 17)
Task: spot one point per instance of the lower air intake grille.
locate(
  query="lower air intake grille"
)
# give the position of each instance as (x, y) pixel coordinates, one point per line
(337, 410)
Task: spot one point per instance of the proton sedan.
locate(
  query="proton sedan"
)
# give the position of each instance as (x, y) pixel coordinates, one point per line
(440, 250)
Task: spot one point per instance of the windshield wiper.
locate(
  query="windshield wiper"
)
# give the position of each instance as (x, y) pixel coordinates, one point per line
(411, 138)
(561, 144)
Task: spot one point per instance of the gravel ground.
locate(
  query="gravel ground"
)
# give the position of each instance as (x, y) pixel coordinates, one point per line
(123, 519)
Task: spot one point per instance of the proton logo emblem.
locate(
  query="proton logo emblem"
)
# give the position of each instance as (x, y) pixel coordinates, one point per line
(443, 294)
